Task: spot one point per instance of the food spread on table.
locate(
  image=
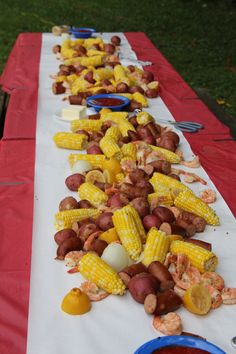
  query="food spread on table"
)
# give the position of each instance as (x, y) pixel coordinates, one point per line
(133, 226)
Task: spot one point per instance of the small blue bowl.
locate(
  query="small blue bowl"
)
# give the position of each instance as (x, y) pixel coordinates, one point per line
(91, 101)
(184, 341)
(82, 32)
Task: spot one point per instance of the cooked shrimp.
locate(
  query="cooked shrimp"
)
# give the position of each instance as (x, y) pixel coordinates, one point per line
(73, 258)
(229, 296)
(189, 177)
(208, 196)
(179, 153)
(169, 324)
(195, 163)
(176, 211)
(213, 279)
(216, 298)
(128, 165)
(190, 277)
(93, 291)
(88, 245)
(182, 264)
(170, 258)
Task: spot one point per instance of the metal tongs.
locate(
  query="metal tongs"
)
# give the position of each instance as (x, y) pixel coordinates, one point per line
(187, 127)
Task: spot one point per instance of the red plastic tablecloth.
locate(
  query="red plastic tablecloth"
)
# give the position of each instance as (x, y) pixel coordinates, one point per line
(17, 156)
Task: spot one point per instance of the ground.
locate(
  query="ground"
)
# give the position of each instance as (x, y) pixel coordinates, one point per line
(196, 36)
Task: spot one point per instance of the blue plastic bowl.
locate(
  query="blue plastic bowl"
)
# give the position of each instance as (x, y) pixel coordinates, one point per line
(82, 32)
(117, 108)
(184, 341)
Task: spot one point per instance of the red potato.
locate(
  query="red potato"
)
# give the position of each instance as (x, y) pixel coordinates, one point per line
(109, 48)
(94, 150)
(141, 205)
(82, 131)
(152, 93)
(167, 143)
(147, 76)
(161, 166)
(115, 40)
(122, 87)
(63, 235)
(172, 135)
(133, 135)
(70, 244)
(86, 229)
(99, 246)
(103, 186)
(166, 285)
(58, 88)
(158, 270)
(68, 203)
(145, 135)
(56, 49)
(150, 221)
(72, 69)
(117, 200)
(104, 221)
(142, 285)
(84, 204)
(73, 182)
(135, 269)
(164, 214)
(134, 89)
(145, 186)
(95, 138)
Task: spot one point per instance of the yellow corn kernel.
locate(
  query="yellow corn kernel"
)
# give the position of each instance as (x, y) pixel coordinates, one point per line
(130, 209)
(129, 150)
(71, 141)
(125, 126)
(109, 236)
(93, 194)
(166, 154)
(138, 97)
(86, 124)
(110, 148)
(120, 177)
(113, 132)
(120, 74)
(115, 117)
(93, 268)
(144, 118)
(202, 259)
(189, 202)
(156, 248)
(95, 160)
(128, 232)
(64, 219)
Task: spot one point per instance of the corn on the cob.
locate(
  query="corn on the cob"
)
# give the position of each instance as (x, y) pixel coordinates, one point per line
(125, 126)
(189, 202)
(60, 78)
(92, 193)
(204, 260)
(138, 97)
(144, 118)
(93, 268)
(110, 148)
(161, 198)
(92, 52)
(120, 74)
(95, 160)
(64, 219)
(156, 248)
(129, 150)
(86, 124)
(120, 177)
(130, 209)
(166, 154)
(114, 133)
(71, 141)
(102, 73)
(128, 232)
(115, 117)
(171, 183)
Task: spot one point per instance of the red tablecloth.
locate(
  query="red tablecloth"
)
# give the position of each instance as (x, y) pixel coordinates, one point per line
(20, 79)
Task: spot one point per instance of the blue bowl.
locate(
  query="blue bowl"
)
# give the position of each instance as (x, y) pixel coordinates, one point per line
(82, 32)
(184, 341)
(91, 101)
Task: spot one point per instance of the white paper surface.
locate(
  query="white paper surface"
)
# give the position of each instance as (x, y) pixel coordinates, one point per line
(117, 324)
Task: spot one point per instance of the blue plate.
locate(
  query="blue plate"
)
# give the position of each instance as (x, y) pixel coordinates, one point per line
(91, 102)
(184, 341)
(82, 32)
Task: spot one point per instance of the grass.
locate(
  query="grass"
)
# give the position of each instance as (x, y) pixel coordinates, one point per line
(196, 36)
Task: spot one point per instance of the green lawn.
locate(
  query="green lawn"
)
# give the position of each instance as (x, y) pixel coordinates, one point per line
(197, 37)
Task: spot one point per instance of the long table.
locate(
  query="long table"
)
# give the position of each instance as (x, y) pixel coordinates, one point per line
(26, 78)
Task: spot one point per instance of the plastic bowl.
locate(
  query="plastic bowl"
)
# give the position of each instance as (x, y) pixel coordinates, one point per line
(91, 101)
(184, 341)
(82, 32)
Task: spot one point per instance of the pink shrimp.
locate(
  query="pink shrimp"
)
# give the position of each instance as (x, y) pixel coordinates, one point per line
(185, 274)
(128, 165)
(93, 291)
(169, 324)
(213, 279)
(88, 245)
(189, 177)
(229, 296)
(195, 163)
(216, 298)
(208, 196)
(72, 260)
